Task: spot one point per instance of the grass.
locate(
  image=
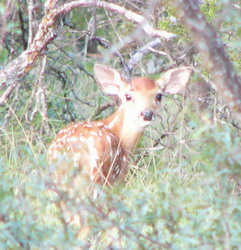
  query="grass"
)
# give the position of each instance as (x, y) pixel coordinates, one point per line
(179, 194)
(183, 187)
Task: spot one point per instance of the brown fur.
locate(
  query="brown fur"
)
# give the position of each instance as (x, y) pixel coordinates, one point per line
(142, 84)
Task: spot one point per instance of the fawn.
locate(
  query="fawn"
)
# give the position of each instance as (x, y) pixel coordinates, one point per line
(88, 153)
(100, 150)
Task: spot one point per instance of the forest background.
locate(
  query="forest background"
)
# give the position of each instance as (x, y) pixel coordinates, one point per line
(183, 189)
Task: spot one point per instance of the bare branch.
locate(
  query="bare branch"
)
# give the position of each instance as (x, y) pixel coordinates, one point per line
(19, 67)
(130, 15)
(148, 48)
(106, 44)
(40, 94)
(30, 17)
(8, 91)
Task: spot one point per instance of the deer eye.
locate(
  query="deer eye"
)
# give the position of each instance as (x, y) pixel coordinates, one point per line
(159, 97)
(128, 97)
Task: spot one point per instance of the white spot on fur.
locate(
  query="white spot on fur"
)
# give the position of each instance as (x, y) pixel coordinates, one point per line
(73, 139)
(117, 170)
(91, 142)
(53, 146)
(100, 124)
(76, 158)
(81, 139)
(55, 154)
(94, 156)
(87, 126)
(63, 139)
(93, 133)
(64, 130)
(71, 132)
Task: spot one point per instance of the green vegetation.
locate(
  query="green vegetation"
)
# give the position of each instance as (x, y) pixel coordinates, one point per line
(183, 188)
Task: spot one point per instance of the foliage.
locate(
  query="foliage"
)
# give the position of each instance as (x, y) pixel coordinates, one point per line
(211, 8)
(169, 22)
(183, 187)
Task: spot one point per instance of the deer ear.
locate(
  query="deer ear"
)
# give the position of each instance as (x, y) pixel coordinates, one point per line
(108, 79)
(175, 81)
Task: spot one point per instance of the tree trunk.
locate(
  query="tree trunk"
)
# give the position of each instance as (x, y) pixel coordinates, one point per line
(210, 46)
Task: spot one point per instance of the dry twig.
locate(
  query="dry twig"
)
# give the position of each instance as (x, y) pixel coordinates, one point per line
(18, 68)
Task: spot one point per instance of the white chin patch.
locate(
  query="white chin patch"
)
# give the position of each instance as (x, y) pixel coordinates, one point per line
(144, 123)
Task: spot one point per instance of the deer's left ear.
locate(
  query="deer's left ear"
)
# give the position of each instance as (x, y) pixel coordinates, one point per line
(175, 81)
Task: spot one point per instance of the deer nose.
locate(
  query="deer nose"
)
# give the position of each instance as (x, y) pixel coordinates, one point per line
(148, 115)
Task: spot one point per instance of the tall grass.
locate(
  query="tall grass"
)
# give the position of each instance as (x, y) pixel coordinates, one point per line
(181, 191)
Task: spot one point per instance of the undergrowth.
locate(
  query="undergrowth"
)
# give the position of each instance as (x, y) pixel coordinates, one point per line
(183, 187)
(181, 193)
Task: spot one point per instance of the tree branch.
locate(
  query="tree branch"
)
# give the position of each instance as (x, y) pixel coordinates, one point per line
(130, 15)
(19, 67)
(148, 48)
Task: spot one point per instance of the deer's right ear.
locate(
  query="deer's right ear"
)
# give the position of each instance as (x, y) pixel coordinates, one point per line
(109, 79)
(175, 81)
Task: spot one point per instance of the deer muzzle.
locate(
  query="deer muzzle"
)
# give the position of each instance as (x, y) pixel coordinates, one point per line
(148, 115)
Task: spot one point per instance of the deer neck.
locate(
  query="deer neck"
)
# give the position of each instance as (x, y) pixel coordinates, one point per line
(124, 129)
